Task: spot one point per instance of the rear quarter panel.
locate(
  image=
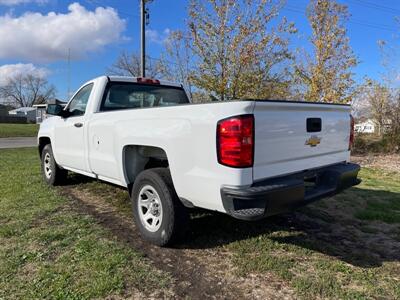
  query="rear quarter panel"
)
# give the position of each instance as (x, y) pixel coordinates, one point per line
(186, 133)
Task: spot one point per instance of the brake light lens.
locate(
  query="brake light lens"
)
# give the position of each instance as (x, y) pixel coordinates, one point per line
(147, 80)
(351, 139)
(235, 141)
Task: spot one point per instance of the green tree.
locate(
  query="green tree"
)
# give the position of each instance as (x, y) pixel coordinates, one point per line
(327, 75)
(237, 51)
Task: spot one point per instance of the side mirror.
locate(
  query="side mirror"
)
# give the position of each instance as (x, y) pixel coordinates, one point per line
(56, 110)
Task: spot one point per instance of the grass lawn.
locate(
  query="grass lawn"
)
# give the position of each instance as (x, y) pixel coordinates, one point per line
(345, 247)
(49, 250)
(18, 130)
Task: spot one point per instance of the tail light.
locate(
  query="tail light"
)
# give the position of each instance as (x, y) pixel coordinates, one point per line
(351, 139)
(235, 141)
(147, 80)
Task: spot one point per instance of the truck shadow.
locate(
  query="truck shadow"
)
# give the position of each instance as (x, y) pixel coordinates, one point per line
(360, 243)
(331, 229)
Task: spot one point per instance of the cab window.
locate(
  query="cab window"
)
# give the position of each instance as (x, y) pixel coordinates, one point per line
(132, 95)
(77, 106)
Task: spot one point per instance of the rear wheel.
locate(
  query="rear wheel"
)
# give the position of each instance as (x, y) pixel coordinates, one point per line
(51, 172)
(159, 214)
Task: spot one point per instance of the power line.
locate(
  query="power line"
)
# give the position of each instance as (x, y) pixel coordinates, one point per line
(375, 6)
(373, 25)
(352, 21)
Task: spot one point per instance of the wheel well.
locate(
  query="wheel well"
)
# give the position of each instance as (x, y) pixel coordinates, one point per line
(137, 158)
(43, 141)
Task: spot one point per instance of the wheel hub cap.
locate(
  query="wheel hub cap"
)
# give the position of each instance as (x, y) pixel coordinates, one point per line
(47, 165)
(150, 208)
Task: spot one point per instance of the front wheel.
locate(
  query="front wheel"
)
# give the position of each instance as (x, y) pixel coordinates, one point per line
(159, 214)
(51, 172)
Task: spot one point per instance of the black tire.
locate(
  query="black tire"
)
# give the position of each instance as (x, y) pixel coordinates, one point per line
(175, 217)
(56, 176)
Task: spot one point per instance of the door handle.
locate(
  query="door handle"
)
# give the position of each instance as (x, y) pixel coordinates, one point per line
(78, 125)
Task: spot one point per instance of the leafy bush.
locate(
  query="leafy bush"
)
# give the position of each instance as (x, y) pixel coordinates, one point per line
(369, 143)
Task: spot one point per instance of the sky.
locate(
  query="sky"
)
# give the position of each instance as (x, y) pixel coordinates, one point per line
(36, 36)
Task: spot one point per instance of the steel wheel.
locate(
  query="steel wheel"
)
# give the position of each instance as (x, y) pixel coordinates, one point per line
(158, 212)
(150, 208)
(47, 165)
(51, 172)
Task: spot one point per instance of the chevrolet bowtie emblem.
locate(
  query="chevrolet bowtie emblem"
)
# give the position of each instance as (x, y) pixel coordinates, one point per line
(313, 141)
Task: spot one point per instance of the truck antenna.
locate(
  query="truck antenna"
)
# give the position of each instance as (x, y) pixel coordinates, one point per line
(69, 74)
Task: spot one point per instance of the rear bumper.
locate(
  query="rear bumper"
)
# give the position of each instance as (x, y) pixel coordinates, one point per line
(278, 195)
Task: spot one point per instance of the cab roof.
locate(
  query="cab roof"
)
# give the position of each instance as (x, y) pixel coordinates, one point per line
(138, 79)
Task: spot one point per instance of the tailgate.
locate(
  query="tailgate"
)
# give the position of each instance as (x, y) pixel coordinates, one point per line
(295, 136)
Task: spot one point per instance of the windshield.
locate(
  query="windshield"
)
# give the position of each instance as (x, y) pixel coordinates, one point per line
(125, 95)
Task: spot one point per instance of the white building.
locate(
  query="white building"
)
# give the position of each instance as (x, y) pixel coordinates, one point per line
(367, 126)
(28, 112)
(41, 109)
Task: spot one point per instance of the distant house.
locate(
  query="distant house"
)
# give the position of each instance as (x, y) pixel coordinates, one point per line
(365, 126)
(34, 114)
(26, 112)
(41, 109)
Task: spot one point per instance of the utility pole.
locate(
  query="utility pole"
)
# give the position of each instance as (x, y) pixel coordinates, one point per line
(143, 36)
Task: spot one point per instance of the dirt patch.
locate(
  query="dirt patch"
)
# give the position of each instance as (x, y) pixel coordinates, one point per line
(198, 273)
(389, 162)
(202, 267)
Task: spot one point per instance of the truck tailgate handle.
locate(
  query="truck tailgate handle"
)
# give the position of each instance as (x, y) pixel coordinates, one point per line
(79, 125)
(314, 124)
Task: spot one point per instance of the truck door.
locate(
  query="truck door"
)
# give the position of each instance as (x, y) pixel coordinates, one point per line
(69, 144)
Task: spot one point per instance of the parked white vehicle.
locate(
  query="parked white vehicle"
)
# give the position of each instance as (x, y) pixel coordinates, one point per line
(249, 159)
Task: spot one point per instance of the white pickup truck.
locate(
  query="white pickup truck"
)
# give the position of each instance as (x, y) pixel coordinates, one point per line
(249, 159)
